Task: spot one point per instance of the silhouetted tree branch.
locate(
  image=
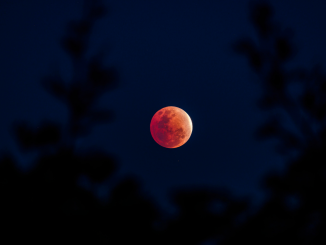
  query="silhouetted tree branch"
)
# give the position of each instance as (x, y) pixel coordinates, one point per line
(46, 204)
(295, 210)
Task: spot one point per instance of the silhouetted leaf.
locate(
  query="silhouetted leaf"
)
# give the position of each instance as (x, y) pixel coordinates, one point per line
(24, 135)
(48, 133)
(269, 129)
(29, 138)
(248, 48)
(80, 29)
(261, 15)
(283, 48)
(55, 86)
(308, 100)
(276, 79)
(73, 46)
(268, 101)
(100, 76)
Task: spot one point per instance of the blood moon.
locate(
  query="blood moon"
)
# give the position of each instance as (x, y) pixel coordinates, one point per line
(171, 127)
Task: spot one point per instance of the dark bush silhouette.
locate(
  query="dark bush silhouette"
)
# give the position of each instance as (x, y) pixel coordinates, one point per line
(46, 204)
(295, 210)
(203, 214)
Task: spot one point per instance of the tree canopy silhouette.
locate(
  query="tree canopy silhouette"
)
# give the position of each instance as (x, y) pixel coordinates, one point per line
(295, 209)
(46, 204)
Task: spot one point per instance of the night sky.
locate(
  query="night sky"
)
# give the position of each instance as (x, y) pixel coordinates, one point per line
(167, 53)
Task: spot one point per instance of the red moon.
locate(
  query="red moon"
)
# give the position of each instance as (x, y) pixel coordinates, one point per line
(171, 127)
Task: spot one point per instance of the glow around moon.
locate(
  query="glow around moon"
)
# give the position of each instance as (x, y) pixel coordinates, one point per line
(171, 127)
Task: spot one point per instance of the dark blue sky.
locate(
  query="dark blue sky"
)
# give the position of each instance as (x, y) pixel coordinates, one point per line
(168, 53)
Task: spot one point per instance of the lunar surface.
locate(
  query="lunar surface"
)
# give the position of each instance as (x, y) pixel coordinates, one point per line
(171, 127)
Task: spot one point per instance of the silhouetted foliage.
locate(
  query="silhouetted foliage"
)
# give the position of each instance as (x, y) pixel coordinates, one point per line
(203, 214)
(295, 210)
(47, 134)
(46, 204)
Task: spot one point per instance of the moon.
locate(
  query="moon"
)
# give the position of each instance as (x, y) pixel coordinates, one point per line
(171, 127)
